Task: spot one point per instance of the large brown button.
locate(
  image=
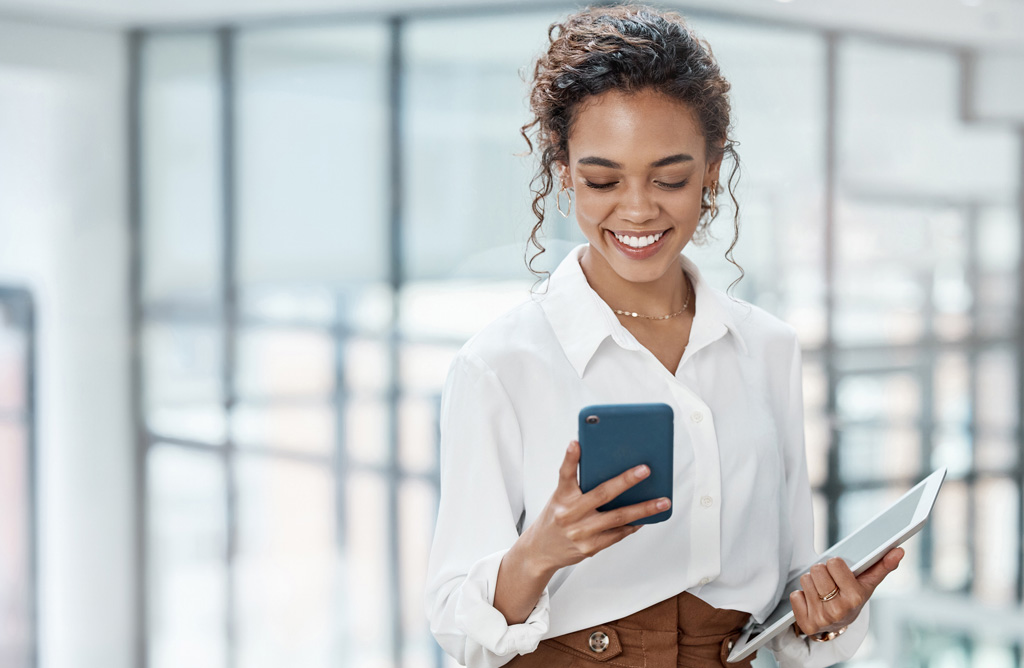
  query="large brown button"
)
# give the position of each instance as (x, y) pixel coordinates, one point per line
(598, 641)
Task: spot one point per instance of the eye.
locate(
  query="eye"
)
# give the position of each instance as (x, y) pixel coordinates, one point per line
(676, 186)
(599, 186)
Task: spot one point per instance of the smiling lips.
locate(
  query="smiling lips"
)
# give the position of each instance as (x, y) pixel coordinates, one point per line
(638, 247)
(639, 242)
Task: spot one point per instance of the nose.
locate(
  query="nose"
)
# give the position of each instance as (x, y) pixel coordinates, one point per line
(637, 205)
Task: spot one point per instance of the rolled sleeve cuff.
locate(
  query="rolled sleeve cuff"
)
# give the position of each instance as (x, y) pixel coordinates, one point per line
(486, 627)
(794, 652)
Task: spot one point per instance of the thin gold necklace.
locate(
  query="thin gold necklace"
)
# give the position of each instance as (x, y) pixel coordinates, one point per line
(686, 303)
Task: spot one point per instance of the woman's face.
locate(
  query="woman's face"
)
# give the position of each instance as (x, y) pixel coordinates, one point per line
(637, 167)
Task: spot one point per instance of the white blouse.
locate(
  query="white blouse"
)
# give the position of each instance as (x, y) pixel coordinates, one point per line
(741, 523)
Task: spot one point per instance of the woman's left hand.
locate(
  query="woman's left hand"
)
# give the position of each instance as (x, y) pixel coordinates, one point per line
(848, 592)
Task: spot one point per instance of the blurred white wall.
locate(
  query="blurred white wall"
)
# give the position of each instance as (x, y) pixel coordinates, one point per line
(64, 235)
(998, 92)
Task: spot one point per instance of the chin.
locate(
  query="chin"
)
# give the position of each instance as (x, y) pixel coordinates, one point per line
(640, 265)
(647, 274)
(640, 271)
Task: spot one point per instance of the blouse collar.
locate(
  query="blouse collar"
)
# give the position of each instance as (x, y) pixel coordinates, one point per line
(582, 320)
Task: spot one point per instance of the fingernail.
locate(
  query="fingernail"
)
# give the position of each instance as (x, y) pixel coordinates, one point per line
(663, 504)
(641, 471)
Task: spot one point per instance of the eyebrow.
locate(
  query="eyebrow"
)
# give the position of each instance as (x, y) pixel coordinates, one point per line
(605, 162)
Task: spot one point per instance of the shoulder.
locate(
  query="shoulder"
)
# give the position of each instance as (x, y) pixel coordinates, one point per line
(513, 337)
(759, 323)
(762, 332)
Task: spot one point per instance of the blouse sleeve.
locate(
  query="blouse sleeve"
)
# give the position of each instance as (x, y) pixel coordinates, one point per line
(790, 650)
(478, 516)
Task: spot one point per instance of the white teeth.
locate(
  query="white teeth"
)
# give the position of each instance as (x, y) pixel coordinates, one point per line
(639, 242)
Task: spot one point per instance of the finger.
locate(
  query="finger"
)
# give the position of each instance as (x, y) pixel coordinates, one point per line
(608, 538)
(610, 489)
(621, 516)
(812, 600)
(852, 592)
(798, 601)
(567, 471)
(823, 582)
(842, 575)
(592, 538)
(873, 576)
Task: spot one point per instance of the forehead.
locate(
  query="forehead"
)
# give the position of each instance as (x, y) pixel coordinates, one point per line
(634, 128)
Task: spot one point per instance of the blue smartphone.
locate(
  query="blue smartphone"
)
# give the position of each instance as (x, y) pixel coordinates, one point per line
(616, 437)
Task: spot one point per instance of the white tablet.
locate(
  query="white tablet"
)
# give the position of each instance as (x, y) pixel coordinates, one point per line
(861, 550)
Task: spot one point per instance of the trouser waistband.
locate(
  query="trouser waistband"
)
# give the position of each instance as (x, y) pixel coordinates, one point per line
(679, 632)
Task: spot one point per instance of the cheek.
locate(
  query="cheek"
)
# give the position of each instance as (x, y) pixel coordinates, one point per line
(592, 209)
(596, 208)
(685, 206)
(689, 198)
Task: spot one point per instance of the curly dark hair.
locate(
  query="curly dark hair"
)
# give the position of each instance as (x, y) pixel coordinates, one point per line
(630, 48)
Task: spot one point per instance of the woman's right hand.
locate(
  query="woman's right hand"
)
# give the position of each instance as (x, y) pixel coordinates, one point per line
(571, 528)
(567, 531)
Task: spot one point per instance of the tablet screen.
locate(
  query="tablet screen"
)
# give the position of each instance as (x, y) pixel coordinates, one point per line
(860, 550)
(860, 545)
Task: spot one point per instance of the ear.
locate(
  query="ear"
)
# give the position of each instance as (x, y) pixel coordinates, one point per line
(712, 168)
(562, 172)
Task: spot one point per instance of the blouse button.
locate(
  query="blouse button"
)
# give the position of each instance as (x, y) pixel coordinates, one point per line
(696, 416)
(598, 641)
(704, 581)
(706, 501)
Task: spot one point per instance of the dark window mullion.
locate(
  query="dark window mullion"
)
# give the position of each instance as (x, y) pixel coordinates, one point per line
(17, 312)
(229, 286)
(833, 487)
(1020, 381)
(925, 374)
(973, 285)
(339, 457)
(135, 44)
(395, 221)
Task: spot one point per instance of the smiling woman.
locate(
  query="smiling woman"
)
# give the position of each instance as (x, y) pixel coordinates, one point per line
(639, 208)
(632, 118)
(569, 81)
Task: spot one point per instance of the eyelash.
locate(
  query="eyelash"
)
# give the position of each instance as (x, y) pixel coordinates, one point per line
(605, 186)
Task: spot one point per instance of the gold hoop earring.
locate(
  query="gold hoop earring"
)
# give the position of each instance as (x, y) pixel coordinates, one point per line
(558, 201)
(713, 195)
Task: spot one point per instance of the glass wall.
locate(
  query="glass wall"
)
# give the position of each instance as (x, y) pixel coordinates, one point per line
(328, 211)
(927, 375)
(18, 591)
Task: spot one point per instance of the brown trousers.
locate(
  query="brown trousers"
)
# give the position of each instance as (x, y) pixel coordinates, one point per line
(680, 632)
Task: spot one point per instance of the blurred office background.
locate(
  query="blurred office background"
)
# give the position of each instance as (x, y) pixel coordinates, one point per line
(241, 240)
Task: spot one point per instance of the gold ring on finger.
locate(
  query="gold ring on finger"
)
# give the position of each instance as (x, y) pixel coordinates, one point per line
(831, 595)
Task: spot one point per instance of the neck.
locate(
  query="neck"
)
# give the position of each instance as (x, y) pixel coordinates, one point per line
(661, 296)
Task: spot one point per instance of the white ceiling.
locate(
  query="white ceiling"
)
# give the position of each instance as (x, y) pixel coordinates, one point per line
(989, 24)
